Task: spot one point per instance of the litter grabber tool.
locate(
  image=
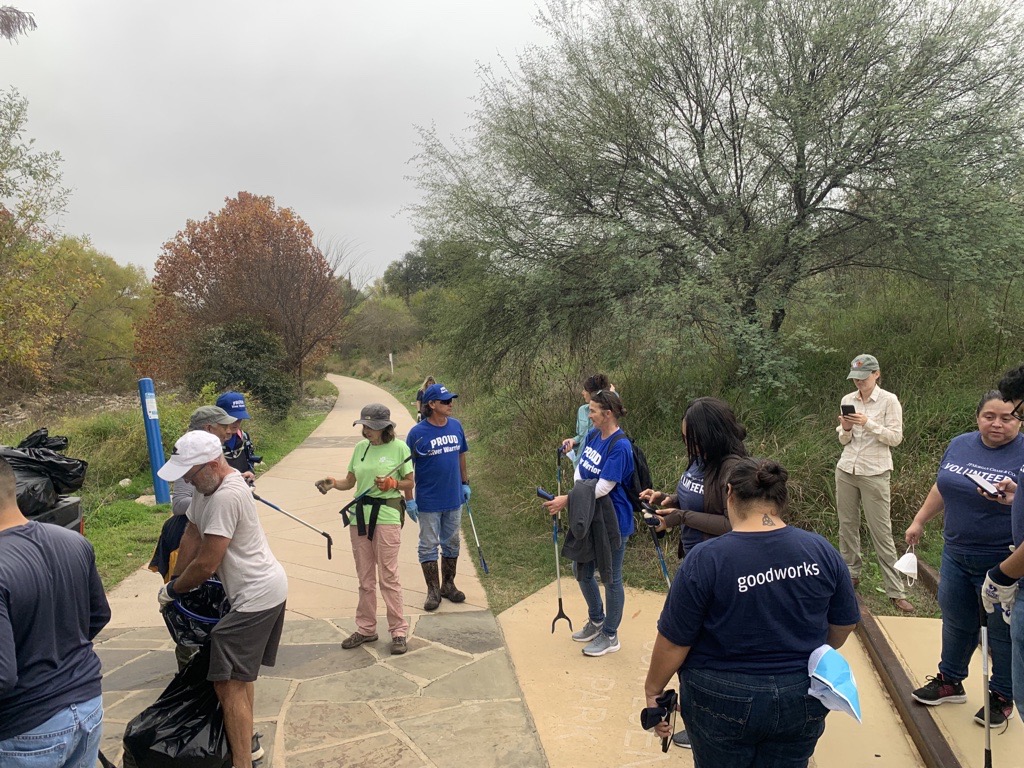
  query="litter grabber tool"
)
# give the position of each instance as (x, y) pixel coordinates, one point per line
(558, 470)
(984, 682)
(483, 563)
(325, 534)
(666, 710)
(558, 567)
(652, 520)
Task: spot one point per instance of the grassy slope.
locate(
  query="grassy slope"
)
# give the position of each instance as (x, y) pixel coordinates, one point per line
(122, 531)
(938, 351)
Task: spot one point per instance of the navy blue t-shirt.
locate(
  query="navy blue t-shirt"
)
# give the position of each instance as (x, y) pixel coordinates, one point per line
(758, 603)
(51, 607)
(618, 467)
(974, 524)
(435, 459)
(690, 495)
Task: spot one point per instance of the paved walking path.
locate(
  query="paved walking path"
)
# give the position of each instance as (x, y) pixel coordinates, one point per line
(452, 699)
(473, 690)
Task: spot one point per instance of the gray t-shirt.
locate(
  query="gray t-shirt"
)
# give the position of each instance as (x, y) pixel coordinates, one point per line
(181, 496)
(253, 578)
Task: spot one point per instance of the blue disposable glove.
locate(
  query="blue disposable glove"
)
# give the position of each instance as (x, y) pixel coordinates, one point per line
(465, 492)
(412, 510)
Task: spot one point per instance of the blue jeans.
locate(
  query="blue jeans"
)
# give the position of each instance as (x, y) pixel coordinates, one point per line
(750, 721)
(960, 601)
(439, 529)
(69, 739)
(1017, 634)
(613, 590)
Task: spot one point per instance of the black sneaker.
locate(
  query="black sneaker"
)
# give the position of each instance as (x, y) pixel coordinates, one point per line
(1000, 709)
(257, 749)
(939, 690)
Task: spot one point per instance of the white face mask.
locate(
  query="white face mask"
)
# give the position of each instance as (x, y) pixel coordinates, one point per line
(907, 565)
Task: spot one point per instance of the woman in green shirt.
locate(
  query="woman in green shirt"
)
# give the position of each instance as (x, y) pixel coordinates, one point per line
(381, 472)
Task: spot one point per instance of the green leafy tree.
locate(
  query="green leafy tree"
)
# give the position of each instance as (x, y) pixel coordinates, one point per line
(243, 355)
(36, 280)
(705, 161)
(431, 263)
(93, 342)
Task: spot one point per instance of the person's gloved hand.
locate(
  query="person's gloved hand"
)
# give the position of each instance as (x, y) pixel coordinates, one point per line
(999, 588)
(412, 510)
(465, 492)
(167, 595)
(324, 485)
(386, 483)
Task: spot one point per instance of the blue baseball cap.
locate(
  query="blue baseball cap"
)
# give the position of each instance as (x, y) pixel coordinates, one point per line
(437, 392)
(234, 404)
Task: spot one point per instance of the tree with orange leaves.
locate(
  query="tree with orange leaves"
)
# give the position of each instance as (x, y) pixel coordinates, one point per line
(250, 261)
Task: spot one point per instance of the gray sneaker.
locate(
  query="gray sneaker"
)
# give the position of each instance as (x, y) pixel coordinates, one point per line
(601, 645)
(589, 632)
(682, 739)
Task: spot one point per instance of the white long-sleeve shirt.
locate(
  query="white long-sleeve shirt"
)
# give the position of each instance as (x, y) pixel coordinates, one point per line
(866, 448)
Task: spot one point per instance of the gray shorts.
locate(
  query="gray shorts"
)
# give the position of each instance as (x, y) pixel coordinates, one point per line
(241, 642)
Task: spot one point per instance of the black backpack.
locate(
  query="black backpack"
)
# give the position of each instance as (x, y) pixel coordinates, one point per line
(641, 477)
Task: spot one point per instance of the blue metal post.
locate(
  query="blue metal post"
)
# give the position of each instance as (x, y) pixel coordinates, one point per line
(151, 419)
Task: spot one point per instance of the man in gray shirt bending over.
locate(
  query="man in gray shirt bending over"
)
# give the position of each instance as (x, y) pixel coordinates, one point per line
(224, 536)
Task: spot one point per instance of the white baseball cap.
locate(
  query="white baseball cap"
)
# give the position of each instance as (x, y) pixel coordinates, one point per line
(191, 450)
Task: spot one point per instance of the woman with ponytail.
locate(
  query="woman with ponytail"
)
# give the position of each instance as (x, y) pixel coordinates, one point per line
(744, 614)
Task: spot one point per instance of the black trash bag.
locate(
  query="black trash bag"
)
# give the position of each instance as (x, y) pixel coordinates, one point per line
(67, 474)
(41, 439)
(191, 619)
(35, 493)
(184, 728)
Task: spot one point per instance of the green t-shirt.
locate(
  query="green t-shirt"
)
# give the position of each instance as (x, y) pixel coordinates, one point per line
(369, 462)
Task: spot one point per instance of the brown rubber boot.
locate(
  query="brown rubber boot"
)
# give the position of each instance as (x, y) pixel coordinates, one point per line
(433, 592)
(448, 588)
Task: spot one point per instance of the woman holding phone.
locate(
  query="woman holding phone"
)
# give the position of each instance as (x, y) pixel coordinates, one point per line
(867, 433)
(714, 444)
(976, 536)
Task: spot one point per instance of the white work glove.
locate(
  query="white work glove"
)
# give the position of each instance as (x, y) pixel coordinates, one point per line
(166, 595)
(995, 590)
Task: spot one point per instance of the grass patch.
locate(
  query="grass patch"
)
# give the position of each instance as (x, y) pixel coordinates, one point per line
(123, 534)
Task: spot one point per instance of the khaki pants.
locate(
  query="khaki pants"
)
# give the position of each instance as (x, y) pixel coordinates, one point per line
(379, 556)
(871, 491)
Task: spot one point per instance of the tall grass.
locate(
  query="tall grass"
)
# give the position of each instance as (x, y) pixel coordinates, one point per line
(937, 347)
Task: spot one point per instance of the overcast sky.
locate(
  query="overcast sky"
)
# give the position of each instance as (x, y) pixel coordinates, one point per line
(162, 110)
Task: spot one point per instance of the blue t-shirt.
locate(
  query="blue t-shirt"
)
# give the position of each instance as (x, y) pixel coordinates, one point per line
(758, 603)
(974, 524)
(435, 459)
(690, 494)
(596, 464)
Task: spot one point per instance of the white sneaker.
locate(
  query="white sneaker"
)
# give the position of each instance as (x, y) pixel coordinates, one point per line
(601, 645)
(589, 632)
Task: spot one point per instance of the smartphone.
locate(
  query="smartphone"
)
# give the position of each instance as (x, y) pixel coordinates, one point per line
(985, 485)
(847, 410)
